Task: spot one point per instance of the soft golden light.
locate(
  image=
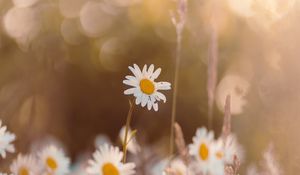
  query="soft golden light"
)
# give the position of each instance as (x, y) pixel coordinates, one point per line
(24, 3)
(95, 19)
(71, 8)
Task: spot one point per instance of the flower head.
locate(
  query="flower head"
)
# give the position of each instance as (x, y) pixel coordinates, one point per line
(177, 167)
(231, 149)
(25, 165)
(144, 88)
(54, 160)
(107, 161)
(206, 151)
(5, 141)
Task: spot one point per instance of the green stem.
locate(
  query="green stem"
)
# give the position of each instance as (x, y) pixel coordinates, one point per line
(128, 120)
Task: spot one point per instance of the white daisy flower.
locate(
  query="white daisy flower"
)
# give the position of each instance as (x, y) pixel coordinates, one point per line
(231, 148)
(159, 167)
(205, 151)
(132, 146)
(25, 165)
(5, 141)
(144, 88)
(178, 167)
(54, 160)
(107, 161)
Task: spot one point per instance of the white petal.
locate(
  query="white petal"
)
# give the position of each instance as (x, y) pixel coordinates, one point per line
(144, 72)
(135, 70)
(155, 74)
(150, 70)
(163, 86)
(138, 100)
(129, 91)
(137, 93)
(152, 98)
(161, 96)
(131, 78)
(130, 83)
(144, 100)
(3, 154)
(149, 105)
(155, 107)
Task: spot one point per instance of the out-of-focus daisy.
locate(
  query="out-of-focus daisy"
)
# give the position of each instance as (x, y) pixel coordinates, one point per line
(5, 141)
(235, 86)
(231, 149)
(132, 146)
(25, 165)
(159, 167)
(79, 167)
(54, 160)
(252, 170)
(107, 161)
(178, 167)
(205, 151)
(144, 88)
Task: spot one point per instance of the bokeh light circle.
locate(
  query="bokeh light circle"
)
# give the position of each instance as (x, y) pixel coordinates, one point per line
(94, 19)
(24, 3)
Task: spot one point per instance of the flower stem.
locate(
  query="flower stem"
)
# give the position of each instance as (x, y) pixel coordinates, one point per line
(128, 120)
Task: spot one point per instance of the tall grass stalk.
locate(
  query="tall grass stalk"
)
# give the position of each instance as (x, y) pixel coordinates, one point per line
(212, 70)
(179, 23)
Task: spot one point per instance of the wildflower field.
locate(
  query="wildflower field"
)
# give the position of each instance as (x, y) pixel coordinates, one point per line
(149, 87)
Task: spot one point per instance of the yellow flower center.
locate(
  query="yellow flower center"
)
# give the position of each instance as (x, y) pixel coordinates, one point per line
(23, 171)
(109, 169)
(203, 151)
(51, 163)
(147, 86)
(219, 155)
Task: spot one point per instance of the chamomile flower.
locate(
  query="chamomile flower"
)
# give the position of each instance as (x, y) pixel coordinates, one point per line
(205, 151)
(144, 88)
(25, 165)
(231, 149)
(5, 141)
(107, 161)
(159, 166)
(178, 167)
(54, 160)
(228, 149)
